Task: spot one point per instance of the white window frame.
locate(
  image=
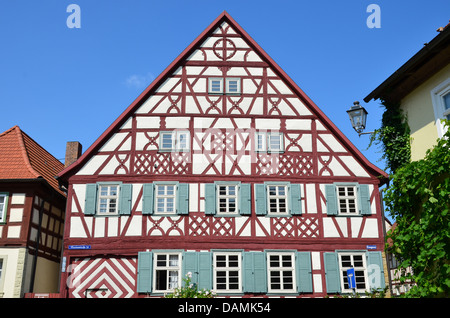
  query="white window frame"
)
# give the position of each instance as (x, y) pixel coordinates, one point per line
(271, 135)
(108, 197)
(358, 269)
(281, 270)
(3, 262)
(227, 196)
(3, 207)
(227, 270)
(165, 199)
(277, 196)
(349, 202)
(263, 141)
(168, 267)
(238, 85)
(211, 84)
(175, 141)
(440, 112)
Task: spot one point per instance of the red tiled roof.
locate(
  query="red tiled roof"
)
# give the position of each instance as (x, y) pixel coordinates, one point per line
(23, 158)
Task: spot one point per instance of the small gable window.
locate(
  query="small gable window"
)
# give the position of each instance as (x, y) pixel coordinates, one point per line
(269, 142)
(174, 141)
(216, 85)
(231, 86)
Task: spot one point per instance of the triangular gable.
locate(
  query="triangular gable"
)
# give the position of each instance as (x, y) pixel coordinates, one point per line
(225, 40)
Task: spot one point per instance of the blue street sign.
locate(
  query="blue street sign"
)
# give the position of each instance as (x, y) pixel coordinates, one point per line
(351, 278)
(79, 247)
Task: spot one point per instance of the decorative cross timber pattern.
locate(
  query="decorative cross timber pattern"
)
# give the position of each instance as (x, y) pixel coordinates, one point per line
(284, 164)
(295, 227)
(165, 226)
(199, 225)
(162, 163)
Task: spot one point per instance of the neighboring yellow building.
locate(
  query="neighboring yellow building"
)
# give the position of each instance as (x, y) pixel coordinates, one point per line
(422, 88)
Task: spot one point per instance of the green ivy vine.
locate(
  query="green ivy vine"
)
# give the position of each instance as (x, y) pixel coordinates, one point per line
(394, 137)
(418, 197)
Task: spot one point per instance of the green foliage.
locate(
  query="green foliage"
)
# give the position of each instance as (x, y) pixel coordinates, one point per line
(374, 293)
(189, 290)
(394, 137)
(418, 198)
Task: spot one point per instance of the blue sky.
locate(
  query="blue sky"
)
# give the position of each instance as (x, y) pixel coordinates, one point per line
(61, 84)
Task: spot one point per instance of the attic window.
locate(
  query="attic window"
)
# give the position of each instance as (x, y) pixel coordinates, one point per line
(216, 85)
(233, 86)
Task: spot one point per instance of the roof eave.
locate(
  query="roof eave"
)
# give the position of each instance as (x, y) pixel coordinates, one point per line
(406, 68)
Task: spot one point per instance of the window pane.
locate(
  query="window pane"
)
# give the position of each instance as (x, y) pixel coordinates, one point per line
(161, 260)
(104, 191)
(275, 142)
(221, 261)
(272, 190)
(447, 101)
(166, 141)
(287, 262)
(233, 86)
(216, 86)
(161, 280)
(113, 190)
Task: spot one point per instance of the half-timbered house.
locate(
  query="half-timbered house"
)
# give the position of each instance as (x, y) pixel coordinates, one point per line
(31, 217)
(223, 168)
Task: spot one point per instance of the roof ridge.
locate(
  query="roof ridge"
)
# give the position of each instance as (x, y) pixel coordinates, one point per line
(8, 131)
(39, 145)
(24, 151)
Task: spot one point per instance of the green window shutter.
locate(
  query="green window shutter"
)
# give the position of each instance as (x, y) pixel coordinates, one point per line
(145, 271)
(183, 199)
(332, 276)
(364, 199)
(260, 198)
(245, 197)
(304, 272)
(199, 264)
(90, 205)
(375, 270)
(125, 199)
(254, 272)
(147, 198)
(205, 268)
(210, 198)
(332, 204)
(296, 199)
(190, 265)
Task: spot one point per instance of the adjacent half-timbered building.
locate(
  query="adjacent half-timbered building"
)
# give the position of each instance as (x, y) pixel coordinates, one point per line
(224, 168)
(31, 217)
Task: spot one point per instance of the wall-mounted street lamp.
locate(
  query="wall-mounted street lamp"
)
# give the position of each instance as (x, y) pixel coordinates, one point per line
(358, 117)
